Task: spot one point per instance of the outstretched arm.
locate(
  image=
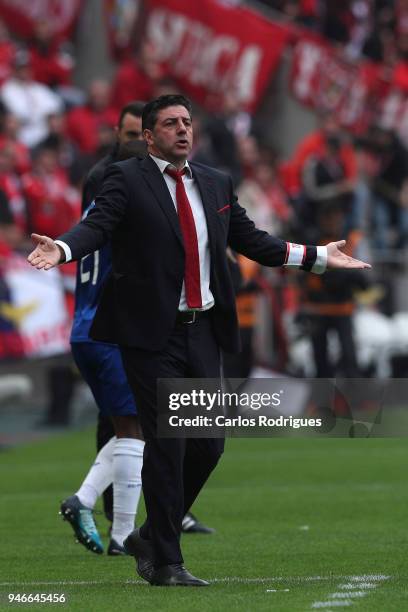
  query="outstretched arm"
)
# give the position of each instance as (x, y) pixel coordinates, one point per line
(92, 233)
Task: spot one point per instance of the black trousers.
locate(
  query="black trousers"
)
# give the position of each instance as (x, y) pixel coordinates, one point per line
(174, 470)
(320, 326)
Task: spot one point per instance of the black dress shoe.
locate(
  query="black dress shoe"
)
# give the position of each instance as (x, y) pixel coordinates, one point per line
(190, 524)
(142, 551)
(176, 575)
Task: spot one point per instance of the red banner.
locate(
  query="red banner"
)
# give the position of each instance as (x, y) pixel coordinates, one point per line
(325, 81)
(21, 15)
(210, 48)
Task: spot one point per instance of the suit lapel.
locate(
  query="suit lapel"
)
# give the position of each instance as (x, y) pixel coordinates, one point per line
(208, 197)
(158, 185)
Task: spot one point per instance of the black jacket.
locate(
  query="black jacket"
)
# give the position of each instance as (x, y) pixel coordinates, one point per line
(134, 210)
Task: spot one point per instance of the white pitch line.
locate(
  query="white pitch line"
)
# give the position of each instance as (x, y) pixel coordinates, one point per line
(348, 595)
(226, 580)
(358, 585)
(374, 577)
(345, 598)
(329, 604)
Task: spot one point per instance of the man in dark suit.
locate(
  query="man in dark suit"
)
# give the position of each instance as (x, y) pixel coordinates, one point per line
(170, 303)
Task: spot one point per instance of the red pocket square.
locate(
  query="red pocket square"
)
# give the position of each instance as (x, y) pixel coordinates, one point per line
(220, 210)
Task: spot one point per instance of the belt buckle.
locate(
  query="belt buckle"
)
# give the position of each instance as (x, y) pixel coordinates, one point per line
(193, 319)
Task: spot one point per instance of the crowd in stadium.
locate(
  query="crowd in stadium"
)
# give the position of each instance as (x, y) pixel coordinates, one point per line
(333, 186)
(376, 29)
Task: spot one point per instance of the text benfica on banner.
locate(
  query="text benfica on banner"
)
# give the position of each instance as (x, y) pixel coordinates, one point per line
(210, 48)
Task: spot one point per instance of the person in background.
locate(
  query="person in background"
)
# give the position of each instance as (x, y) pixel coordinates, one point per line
(51, 61)
(315, 145)
(29, 100)
(328, 300)
(325, 182)
(83, 122)
(7, 52)
(390, 190)
(136, 77)
(9, 131)
(11, 184)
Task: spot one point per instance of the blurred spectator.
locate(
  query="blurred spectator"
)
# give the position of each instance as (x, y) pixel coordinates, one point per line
(202, 150)
(390, 189)
(249, 154)
(9, 132)
(325, 183)
(84, 122)
(264, 198)
(165, 86)
(7, 52)
(329, 303)
(68, 154)
(10, 234)
(53, 205)
(336, 20)
(379, 44)
(315, 145)
(105, 142)
(401, 16)
(10, 183)
(30, 101)
(223, 128)
(361, 14)
(400, 73)
(136, 77)
(244, 273)
(52, 64)
(305, 12)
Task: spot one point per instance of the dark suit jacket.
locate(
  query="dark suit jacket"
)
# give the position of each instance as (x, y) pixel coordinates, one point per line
(134, 210)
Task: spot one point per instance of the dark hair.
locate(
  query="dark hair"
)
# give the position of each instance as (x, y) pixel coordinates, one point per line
(150, 111)
(134, 108)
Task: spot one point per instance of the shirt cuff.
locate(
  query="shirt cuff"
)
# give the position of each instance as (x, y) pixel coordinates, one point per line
(320, 264)
(66, 249)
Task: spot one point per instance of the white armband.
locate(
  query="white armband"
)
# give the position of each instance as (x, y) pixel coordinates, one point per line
(295, 255)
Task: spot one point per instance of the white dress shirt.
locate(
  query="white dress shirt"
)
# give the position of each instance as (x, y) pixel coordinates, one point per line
(197, 208)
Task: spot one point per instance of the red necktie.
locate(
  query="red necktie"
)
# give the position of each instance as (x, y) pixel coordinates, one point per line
(188, 230)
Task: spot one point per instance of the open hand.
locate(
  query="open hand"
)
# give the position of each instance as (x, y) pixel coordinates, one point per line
(337, 259)
(46, 254)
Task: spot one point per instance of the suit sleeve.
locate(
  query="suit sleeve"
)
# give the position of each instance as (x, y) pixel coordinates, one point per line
(96, 229)
(260, 246)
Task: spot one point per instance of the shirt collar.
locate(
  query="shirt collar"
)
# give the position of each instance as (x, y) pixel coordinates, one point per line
(162, 165)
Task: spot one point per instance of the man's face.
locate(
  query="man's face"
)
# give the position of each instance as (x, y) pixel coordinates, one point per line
(172, 136)
(131, 129)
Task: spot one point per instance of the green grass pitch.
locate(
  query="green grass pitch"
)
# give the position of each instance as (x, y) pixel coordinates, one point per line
(302, 524)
